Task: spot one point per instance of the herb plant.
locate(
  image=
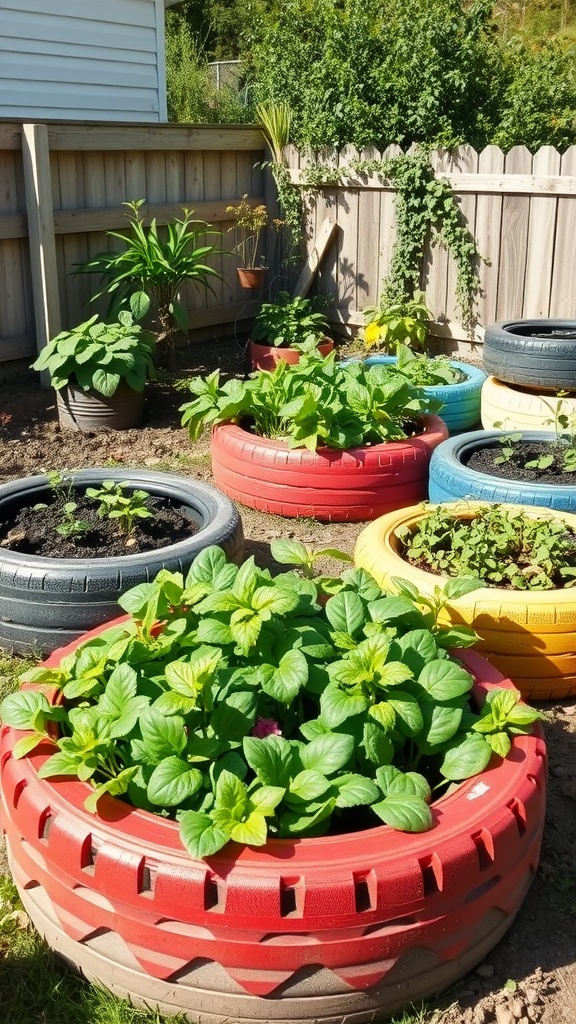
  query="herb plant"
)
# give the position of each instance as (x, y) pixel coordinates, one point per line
(289, 323)
(315, 402)
(152, 266)
(426, 371)
(116, 503)
(503, 547)
(393, 323)
(237, 704)
(98, 356)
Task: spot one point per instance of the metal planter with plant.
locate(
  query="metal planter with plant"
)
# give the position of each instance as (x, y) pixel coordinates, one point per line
(336, 443)
(233, 785)
(99, 372)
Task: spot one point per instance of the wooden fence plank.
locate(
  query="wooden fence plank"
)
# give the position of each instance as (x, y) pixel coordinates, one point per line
(39, 201)
(487, 234)
(514, 239)
(541, 239)
(368, 244)
(563, 291)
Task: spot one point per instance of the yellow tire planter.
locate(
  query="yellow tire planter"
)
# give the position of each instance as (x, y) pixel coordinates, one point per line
(528, 635)
(517, 408)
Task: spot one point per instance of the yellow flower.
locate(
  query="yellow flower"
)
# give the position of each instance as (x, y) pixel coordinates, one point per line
(372, 334)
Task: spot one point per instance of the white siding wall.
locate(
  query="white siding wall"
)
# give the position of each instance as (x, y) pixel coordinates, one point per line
(89, 59)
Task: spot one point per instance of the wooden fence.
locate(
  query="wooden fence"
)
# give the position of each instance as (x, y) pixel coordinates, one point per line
(521, 208)
(62, 186)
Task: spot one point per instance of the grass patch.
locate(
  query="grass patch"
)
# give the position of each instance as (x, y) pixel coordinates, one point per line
(11, 668)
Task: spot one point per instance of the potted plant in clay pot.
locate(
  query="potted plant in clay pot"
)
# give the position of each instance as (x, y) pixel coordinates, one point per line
(72, 543)
(99, 372)
(318, 439)
(222, 804)
(528, 467)
(282, 330)
(249, 223)
(457, 385)
(525, 611)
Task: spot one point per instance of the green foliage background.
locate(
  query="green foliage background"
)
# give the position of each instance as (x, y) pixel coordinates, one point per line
(375, 72)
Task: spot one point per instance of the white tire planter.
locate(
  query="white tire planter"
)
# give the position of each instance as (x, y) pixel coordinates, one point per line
(518, 409)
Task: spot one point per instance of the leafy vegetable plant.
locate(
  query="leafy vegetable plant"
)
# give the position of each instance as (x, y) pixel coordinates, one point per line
(237, 704)
(116, 503)
(502, 547)
(289, 323)
(398, 322)
(98, 356)
(315, 402)
(426, 371)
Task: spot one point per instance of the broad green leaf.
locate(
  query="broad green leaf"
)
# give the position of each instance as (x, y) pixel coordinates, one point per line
(418, 648)
(212, 631)
(172, 782)
(61, 763)
(346, 612)
(388, 609)
(467, 758)
(328, 753)
(285, 682)
(253, 831)
(440, 724)
(162, 736)
(377, 744)
(234, 718)
(306, 786)
(200, 836)
(246, 626)
(270, 758)
(444, 680)
(355, 790)
(384, 714)
(274, 600)
(266, 799)
(406, 813)
(21, 710)
(114, 787)
(25, 744)
(500, 743)
(461, 585)
(409, 719)
(294, 823)
(212, 566)
(135, 600)
(289, 552)
(455, 636)
(336, 705)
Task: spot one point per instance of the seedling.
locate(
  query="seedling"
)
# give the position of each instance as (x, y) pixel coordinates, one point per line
(70, 526)
(115, 503)
(508, 444)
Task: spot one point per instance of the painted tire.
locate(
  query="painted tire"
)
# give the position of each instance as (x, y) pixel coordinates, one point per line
(47, 602)
(547, 363)
(461, 402)
(531, 636)
(267, 357)
(329, 485)
(329, 930)
(517, 409)
(451, 479)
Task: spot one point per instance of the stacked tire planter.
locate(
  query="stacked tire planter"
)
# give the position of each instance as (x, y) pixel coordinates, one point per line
(47, 602)
(528, 635)
(460, 402)
(529, 362)
(329, 930)
(329, 484)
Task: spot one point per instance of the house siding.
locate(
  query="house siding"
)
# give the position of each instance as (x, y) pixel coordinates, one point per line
(82, 59)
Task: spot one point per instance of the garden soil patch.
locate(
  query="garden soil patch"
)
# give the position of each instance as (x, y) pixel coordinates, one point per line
(531, 975)
(515, 468)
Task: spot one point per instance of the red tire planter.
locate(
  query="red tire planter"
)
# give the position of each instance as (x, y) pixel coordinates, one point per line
(330, 485)
(267, 357)
(329, 930)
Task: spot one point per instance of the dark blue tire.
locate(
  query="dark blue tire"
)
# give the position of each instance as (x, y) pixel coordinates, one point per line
(460, 402)
(546, 362)
(451, 479)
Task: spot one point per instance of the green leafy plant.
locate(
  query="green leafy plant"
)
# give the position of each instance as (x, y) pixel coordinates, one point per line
(98, 356)
(315, 402)
(116, 502)
(150, 269)
(290, 323)
(398, 323)
(236, 703)
(70, 526)
(508, 445)
(502, 547)
(427, 371)
(249, 223)
(62, 488)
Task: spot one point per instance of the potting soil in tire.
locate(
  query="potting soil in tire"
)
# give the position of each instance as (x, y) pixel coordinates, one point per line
(483, 460)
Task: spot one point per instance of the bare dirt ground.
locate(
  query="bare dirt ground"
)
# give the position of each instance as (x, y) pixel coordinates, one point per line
(531, 975)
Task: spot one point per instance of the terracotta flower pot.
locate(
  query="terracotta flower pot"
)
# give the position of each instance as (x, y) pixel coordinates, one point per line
(251, 277)
(267, 357)
(342, 928)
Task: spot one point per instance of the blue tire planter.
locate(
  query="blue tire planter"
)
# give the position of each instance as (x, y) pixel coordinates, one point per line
(451, 479)
(460, 402)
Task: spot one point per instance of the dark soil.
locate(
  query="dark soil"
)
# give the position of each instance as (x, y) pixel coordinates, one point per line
(531, 975)
(36, 531)
(483, 461)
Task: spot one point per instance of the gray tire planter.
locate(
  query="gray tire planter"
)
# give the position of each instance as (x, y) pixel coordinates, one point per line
(450, 478)
(332, 930)
(89, 410)
(517, 408)
(460, 402)
(47, 602)
(538, 354)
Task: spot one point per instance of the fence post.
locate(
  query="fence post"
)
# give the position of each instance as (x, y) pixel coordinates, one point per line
(40, 212)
